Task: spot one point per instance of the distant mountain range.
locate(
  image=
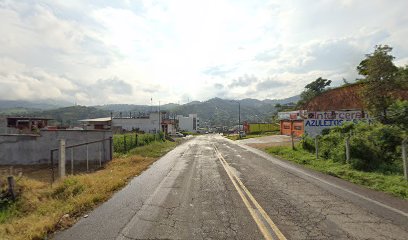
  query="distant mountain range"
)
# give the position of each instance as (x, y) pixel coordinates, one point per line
(213, 112)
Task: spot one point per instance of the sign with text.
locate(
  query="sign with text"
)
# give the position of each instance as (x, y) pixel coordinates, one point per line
(317, 121)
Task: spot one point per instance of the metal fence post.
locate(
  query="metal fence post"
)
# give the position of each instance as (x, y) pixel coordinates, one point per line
(348, 149)
(136, 140)
(404, 158)
(317, 146)
(61, 162)
(72, 161)
(293, 141)
(124, 142)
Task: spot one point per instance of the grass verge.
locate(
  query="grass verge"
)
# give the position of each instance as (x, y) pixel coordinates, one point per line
(394, 184)
(41, 209)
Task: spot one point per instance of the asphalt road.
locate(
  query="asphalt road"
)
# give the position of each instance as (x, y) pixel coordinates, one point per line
(213, 188)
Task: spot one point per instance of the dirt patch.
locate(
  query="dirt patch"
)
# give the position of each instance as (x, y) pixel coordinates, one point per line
(268, 141)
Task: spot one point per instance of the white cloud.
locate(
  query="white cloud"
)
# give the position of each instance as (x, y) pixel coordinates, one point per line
(172, 50)
(20, 82)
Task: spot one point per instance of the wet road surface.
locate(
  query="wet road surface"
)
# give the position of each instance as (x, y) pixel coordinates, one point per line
(213, 188)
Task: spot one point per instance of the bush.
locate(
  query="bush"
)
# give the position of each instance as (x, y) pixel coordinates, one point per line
(307, 143)
(332, 146)
(373, 147)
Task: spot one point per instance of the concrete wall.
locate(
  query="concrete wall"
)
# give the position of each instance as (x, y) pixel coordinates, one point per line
(35, 149)
(3, 125)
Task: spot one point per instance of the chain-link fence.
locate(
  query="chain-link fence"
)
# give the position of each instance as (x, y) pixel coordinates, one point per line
(122, 143)
(78, 158)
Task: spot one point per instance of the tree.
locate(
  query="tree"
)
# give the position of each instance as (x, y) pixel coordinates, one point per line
(398, 114)
(313, 89)
(402, 78)
(380, 79)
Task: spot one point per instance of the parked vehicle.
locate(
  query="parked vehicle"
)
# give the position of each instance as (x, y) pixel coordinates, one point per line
(177, 134)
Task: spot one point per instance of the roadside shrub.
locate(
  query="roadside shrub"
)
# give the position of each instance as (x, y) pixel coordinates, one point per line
(307, 143)
(373, 147)
(332, 146)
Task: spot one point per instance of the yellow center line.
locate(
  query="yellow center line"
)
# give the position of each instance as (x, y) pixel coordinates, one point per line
(258, 221)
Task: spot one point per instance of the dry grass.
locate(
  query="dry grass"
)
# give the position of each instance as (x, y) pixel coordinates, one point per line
(42, 209)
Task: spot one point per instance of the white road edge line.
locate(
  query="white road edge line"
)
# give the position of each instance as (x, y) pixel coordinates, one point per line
(323, 181)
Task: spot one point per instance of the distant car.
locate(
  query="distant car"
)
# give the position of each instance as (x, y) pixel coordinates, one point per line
(178, 134)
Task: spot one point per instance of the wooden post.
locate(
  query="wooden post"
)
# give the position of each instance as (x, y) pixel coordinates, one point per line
(348, 149)
(404, 158)
(61, 161)
(293, 142)
(317, 146)
(11, 186)
(136, 140)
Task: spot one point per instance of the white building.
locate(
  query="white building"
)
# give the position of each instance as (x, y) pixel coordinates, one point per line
(148, 123)
(190, 123)
(97, 123)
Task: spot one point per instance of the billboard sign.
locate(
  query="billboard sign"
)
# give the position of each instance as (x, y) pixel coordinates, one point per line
(317, 121)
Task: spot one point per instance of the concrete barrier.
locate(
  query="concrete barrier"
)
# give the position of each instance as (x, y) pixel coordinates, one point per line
(35, 149)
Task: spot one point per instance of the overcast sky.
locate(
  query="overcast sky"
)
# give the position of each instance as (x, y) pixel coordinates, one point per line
(99, 52)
